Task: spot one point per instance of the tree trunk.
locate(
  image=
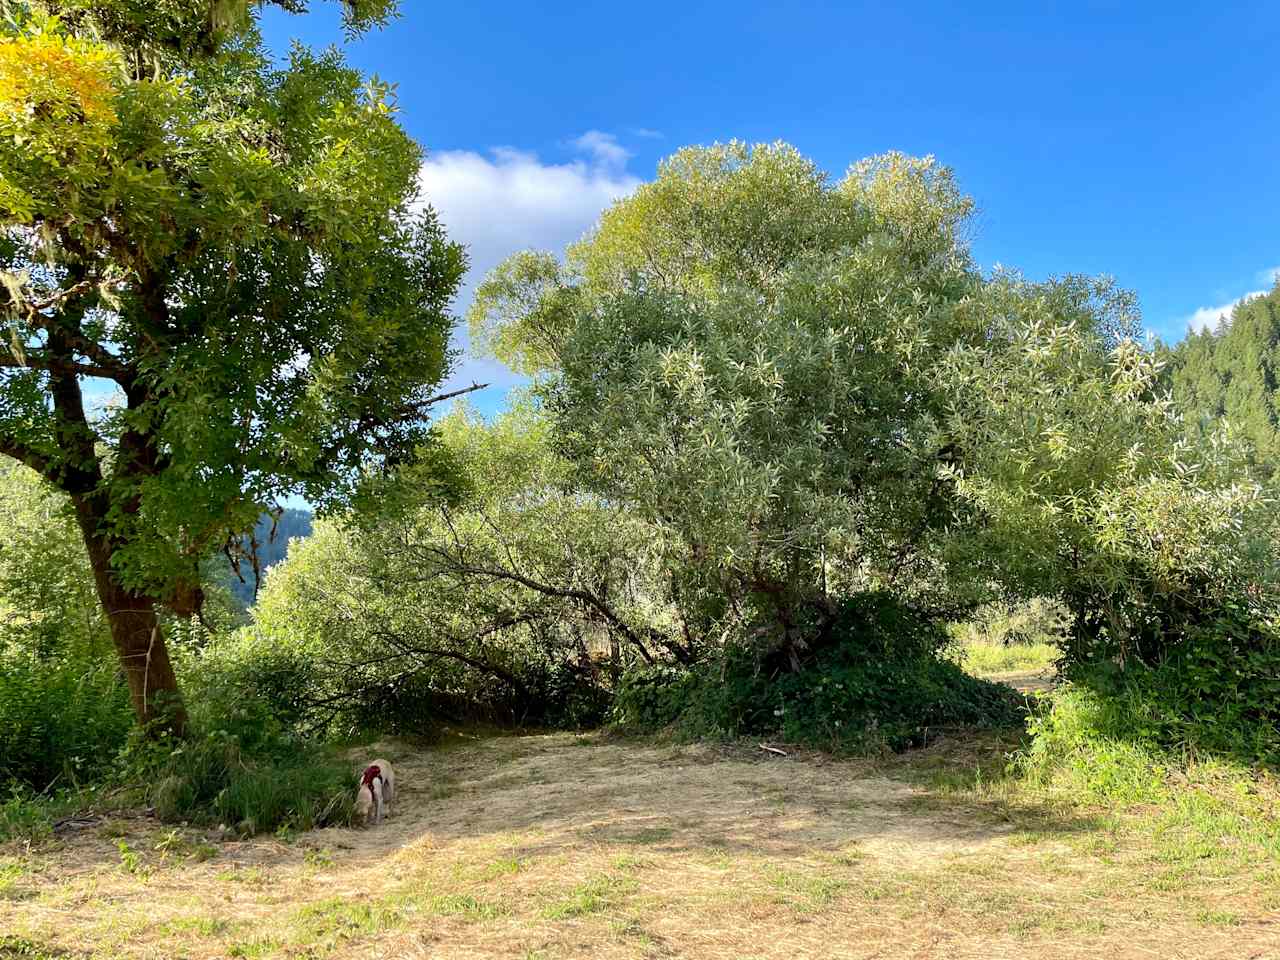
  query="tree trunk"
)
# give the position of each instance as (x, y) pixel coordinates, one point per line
(139, 642)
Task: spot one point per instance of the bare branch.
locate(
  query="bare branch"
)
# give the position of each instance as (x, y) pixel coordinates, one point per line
(567, 593)
(450, 395)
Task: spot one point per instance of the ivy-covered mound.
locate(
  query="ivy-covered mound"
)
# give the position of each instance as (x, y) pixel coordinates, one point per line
(878, 680)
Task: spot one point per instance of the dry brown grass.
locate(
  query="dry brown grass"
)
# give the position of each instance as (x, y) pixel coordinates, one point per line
(561, 846)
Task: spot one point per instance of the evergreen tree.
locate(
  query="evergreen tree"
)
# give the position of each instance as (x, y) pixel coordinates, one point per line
(1232, 372)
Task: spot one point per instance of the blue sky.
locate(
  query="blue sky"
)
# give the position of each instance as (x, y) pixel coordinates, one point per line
(1139, 141)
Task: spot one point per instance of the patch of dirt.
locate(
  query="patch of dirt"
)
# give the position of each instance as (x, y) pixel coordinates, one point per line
(1026, 681)
(560, 846)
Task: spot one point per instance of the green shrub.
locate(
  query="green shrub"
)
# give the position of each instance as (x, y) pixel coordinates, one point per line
(1216, 691)
(62, 719)
(650, 697)
(213, 780)
(246, 762)
(1116, 734)
(316, 691)
(256, 690)
(1082, 739)
(880, 682)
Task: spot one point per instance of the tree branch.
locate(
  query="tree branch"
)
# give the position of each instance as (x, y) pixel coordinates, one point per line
(431, 401)
(53, 300)
(566, 593)
(12, 447)
(484, 666)
(40, 362)
(108, 365)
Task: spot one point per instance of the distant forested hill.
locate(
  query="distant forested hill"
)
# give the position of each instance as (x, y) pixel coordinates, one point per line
(1233, 372)
(271, 550)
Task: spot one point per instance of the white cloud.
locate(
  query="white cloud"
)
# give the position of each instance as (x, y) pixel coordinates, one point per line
(1269, 277)
(604, 148)
(646, 133)
(1208, 318)
(509, 200)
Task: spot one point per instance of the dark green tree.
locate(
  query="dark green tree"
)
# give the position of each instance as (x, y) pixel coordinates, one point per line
(1231, 373)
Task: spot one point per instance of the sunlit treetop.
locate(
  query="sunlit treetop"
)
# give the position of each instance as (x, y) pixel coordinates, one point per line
(179, 27)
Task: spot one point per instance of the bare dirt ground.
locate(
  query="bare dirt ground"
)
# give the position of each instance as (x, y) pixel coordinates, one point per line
(560, 846)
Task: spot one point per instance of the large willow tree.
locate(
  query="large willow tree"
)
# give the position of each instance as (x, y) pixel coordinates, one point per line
(228, 248)
(741, 354)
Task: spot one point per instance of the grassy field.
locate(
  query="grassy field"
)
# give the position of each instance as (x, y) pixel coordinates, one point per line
(985, 659)
(559, 846)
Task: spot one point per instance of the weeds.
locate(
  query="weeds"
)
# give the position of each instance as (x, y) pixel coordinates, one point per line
(130, 860)
(20, 948)
(807, 891)
(10, 874)
(318, 859)
(593, 896)
(340, 919)
(25, 818)
(215, 781)
(461, 905)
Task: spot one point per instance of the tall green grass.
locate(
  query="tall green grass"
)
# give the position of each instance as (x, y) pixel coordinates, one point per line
(1091, 748)
(1010, 638)
(63, 718)
(213, 780)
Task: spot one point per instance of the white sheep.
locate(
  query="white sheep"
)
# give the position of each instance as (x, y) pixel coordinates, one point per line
(377, 788)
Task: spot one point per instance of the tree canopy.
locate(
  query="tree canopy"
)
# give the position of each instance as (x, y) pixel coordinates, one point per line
(739, 353)
(1085, 483)
(810, 393)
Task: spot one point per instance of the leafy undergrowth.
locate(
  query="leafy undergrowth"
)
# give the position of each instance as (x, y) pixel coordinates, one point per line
(1197, 807)
(215, 781)
(562, 846)
(882, 683)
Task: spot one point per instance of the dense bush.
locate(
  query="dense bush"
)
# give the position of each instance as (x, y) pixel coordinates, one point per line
(246, 762)
(1089, 487)
(66, 724)
(1215, 692)
(880, 682)
(491, 604)
(318, 691)
(62, 719)
(64, 711)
